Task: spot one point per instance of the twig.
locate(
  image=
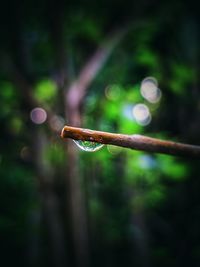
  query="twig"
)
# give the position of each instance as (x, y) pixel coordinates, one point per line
(137, 142)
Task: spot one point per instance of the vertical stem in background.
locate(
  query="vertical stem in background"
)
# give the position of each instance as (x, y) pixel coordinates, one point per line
(78, 212)
(49, 201)
(77, 209)
(139, 232)
(140, 239)
(44, 176)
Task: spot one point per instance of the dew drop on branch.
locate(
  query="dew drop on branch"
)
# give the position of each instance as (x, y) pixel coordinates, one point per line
(88, 145)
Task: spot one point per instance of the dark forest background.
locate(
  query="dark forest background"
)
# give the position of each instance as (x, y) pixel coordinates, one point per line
(82, 63)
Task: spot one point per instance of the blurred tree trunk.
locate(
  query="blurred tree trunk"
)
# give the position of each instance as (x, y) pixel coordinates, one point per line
(78, 214)
(49, 200)
(74, 96)
(48, 196)
(139, 234)
(75, 207)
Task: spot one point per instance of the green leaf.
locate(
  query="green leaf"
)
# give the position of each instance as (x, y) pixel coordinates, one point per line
(45, 90)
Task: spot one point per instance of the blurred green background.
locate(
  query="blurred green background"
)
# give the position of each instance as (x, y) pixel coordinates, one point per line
(121, 66)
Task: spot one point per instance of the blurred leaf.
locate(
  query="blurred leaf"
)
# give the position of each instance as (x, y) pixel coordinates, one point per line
(182, 76)
(174, 170)
(55, 154)
(16, 125)
(45, 91)
(147, 58)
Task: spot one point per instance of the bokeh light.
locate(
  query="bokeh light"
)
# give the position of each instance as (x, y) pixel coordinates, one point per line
(141, 114)
(150, 91)
(127, 111)
(147, 162)
(112, 92)
(38, 115)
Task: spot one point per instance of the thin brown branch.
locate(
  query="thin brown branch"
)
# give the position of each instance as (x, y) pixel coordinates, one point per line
(137, 142)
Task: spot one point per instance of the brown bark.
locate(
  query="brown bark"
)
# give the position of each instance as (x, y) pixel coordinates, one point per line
(137, 142)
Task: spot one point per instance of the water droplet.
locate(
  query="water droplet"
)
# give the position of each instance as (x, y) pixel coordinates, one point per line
(88, 145)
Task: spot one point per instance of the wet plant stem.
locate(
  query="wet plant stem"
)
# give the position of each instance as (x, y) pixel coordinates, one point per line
(137, 142)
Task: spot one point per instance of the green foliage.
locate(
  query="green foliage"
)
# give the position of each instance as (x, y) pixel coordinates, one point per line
(55, 154)
(45, 91)
(16, 203)
(177, 171)
(147, 58)
(8, 98)
(89, 29)
(183, 75)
